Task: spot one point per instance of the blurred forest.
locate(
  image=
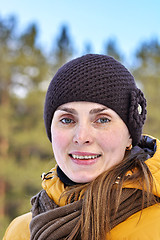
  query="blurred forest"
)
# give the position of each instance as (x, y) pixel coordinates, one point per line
(25, 72)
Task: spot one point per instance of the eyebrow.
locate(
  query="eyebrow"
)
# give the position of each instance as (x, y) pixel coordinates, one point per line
(73, 111)
(69, 110)
(97, 110)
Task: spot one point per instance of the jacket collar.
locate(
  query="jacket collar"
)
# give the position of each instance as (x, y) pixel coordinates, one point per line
(152, 147)
(55, 187)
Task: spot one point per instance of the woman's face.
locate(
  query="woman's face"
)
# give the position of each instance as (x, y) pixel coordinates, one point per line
(87, 139)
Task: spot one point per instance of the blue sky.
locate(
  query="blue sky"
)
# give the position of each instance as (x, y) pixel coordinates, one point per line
(90, 21)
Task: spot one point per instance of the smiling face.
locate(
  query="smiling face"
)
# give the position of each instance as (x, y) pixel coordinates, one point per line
(87, 139)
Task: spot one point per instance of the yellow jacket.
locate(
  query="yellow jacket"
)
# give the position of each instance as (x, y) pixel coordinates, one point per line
(145, 226)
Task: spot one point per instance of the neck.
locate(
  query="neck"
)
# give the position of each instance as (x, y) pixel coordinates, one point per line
(63, 177)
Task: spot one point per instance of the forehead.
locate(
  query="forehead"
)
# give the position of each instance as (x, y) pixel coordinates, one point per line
(79, 108)
(81, 105)
(86, 109)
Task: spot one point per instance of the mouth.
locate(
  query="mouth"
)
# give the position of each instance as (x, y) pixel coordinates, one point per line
(84, 159)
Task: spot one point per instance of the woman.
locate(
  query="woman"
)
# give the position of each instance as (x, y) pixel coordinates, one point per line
(106, 184)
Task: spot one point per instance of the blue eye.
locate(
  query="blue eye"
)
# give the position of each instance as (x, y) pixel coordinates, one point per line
(66, 120)
(103, 120)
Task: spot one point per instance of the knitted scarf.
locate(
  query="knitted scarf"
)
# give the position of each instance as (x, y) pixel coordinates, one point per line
(51, 222)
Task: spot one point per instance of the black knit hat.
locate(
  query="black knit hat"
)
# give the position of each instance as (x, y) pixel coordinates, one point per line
(100, 79)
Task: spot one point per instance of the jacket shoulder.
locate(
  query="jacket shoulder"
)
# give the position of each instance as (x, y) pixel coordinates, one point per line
(144, 225)
(19, 228)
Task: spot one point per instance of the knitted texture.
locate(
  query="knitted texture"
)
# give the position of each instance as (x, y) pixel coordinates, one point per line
(100, 79)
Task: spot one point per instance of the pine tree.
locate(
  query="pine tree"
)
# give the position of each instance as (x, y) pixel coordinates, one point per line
(147, 72)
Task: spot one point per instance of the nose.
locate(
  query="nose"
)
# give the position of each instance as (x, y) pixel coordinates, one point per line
(83, 135)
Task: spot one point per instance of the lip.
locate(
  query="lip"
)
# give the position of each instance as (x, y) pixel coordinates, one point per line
(83, 153)
(84, 161)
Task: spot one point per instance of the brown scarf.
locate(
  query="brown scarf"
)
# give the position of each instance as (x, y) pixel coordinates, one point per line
(51, 222)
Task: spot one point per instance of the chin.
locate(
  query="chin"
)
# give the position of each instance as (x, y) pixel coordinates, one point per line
(83, 179)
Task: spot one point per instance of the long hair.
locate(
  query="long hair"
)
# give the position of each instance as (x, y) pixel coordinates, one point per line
(95, 221)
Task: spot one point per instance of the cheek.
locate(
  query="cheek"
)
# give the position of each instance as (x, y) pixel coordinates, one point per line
(112, 140)
(59, 141)
(108, 140)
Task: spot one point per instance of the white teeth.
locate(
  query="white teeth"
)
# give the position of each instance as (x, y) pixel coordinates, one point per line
(84, 157)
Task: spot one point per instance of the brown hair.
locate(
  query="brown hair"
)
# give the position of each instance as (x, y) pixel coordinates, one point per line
(98, 204)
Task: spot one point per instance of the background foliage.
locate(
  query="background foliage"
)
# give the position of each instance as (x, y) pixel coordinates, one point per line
(25, 72)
